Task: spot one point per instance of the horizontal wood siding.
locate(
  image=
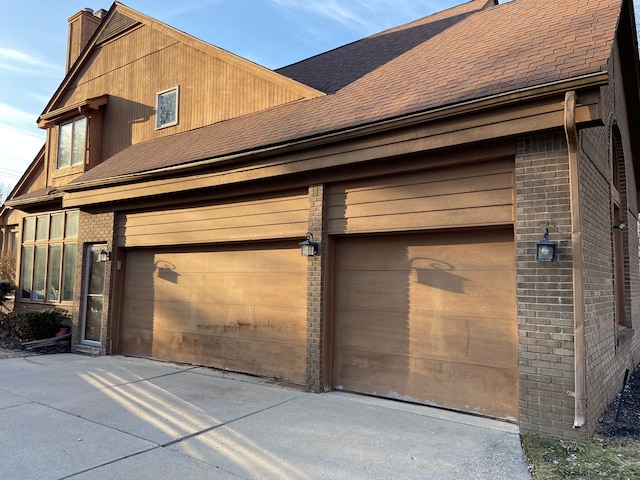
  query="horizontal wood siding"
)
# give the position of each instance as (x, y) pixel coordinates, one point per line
(242, 308)
(285, 217)
(429, 317)
(214, 85)
(471, 195)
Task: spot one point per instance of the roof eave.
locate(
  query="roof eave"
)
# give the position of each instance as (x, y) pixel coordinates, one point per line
(592, 80)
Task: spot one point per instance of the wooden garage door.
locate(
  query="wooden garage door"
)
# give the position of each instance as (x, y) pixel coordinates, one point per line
(429, 318)
(241, 308)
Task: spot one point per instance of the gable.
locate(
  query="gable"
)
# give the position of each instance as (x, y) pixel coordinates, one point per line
(132, 58)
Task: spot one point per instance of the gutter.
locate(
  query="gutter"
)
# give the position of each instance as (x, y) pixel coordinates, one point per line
(591, 80)
(576, 243)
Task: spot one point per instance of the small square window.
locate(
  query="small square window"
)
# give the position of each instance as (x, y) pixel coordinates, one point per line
(167, 108)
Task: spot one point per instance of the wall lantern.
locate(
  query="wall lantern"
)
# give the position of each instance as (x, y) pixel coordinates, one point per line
(621, 226)
(308, 248)
(545, 248)
(104, 255)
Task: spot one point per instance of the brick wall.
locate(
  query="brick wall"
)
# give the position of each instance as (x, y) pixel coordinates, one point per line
(316, 373)
(93, 228)
(544, 290)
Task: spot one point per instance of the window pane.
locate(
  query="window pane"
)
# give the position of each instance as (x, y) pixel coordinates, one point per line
(79, 136)
(96, 279)
(39, 273)
(68, 272)
(64, 145)
(13, 242)
(53, 278)
(72, 225)
(29, 231)
(167, 108)
(57, 222)
(94, 318)
(42, 228)
(26, 272)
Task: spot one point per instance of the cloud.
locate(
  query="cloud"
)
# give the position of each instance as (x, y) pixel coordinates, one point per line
(18, 119)
(20, 63)
(19, 148)
(363, 16)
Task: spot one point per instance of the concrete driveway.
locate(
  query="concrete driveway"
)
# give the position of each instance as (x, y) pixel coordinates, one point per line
(71, 416)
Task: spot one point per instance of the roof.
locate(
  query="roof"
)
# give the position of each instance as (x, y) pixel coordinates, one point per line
(472, 51)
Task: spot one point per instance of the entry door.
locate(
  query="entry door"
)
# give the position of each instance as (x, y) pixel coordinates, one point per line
(93, 295)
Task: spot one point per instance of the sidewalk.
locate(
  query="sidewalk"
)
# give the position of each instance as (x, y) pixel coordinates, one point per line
(69, 416)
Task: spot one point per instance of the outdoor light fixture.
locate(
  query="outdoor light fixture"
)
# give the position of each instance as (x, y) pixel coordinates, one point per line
(545, 248)
(104, 255)
(308, 248)
(621, 226)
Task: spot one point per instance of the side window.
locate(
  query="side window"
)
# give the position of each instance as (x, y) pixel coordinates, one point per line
(167, 108)
(72, 141)
(49, 245)
(620, 239)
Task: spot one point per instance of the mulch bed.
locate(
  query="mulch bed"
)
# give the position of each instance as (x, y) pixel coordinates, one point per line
(628, 423)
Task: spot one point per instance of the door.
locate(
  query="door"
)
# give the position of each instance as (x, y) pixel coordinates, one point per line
(429, 318)
(93, 300)
(238, 307)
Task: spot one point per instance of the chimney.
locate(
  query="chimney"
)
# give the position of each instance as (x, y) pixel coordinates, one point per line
(81, 26)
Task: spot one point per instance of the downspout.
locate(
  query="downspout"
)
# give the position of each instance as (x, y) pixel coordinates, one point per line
(576, 243)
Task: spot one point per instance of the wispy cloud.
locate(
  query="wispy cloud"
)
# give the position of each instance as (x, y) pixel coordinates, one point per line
(19, 148)
(365, 16)
(21, 63)
(16, 118)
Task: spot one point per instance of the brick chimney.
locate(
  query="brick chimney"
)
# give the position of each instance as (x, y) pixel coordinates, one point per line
(81, 26)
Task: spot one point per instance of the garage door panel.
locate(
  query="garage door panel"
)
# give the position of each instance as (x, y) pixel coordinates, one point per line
(235, 354)
(387, 337)
(445, 307)
(205, 304)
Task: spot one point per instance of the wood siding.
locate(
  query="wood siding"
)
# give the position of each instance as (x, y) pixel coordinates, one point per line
(284, 217)
(241, 308)
(472, 195)
(429, 318)
(214, 85)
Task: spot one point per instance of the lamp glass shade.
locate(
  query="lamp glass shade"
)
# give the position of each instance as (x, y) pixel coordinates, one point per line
(545, 251)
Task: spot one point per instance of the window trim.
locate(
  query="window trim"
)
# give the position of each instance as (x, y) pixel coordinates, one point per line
(160, 126)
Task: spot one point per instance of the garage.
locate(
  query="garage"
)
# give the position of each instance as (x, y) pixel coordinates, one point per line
(241, 307)
(428, 318)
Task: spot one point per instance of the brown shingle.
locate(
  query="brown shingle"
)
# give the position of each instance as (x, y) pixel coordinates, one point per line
(441, 60)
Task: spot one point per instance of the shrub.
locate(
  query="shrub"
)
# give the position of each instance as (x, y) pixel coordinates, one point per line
(35, 324)
(6, 287)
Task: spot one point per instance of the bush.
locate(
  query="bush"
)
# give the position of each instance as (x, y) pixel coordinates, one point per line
(6, 287)
(35, 324)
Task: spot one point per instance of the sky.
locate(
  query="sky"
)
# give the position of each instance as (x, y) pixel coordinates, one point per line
(272, 33)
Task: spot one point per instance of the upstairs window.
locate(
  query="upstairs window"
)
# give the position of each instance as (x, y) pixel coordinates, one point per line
(167, 108)
(72, 142)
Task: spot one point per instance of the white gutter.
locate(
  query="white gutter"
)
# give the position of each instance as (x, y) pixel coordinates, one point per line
(576, 241)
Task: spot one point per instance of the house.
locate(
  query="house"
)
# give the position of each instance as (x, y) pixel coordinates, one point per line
(427, 164)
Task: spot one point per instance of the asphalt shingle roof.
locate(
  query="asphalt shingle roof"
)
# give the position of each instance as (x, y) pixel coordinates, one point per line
(464, 53)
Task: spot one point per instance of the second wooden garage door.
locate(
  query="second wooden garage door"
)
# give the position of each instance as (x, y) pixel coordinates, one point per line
(429, 318)
(242, 308)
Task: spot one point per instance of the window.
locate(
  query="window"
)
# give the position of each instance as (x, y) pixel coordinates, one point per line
(49, 246)
(72, 142)
(167, 108)
(620, 242)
